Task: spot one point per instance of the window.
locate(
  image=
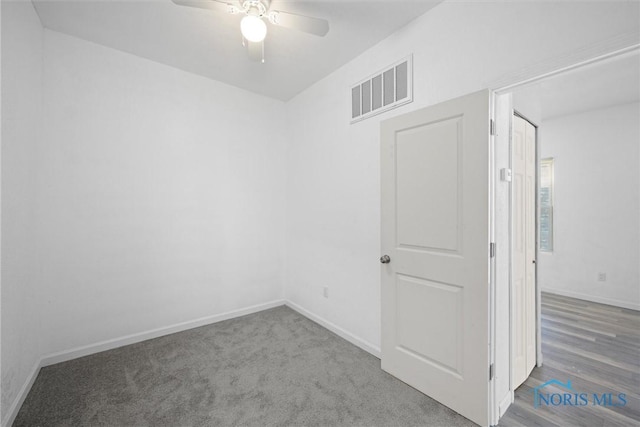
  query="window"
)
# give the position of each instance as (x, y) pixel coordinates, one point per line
(546, 205)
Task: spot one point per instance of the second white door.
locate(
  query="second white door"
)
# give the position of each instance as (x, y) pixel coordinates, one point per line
(524, 250)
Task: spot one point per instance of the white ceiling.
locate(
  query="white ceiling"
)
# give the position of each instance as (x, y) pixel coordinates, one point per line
(209, 43)
(600, 85)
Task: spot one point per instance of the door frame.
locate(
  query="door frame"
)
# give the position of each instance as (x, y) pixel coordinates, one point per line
(501, 95)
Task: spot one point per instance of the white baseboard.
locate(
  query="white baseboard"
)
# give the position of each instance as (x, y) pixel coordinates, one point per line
(593, 298)
(86, 350)
(22, 395)
(357, 341)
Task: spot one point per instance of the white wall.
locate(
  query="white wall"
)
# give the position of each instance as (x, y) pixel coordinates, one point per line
(333, 203)
(135, 197)
(21, 124)
(596, 206)
(333, 167)
(160, 198)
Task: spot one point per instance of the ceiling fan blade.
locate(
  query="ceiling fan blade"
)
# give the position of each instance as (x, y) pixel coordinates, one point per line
(216, 6)
(307, 24)
(255, 50)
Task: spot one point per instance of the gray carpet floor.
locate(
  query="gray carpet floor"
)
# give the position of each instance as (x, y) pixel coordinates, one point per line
(273, 368)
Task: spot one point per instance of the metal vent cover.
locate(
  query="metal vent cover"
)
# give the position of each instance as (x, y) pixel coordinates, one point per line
(383, 90)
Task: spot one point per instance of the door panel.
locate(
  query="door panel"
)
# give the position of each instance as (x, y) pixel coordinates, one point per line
(424, 163)
(435, 228)
(418, 328)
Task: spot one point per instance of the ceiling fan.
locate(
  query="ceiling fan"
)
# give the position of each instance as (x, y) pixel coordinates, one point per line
(253, 26)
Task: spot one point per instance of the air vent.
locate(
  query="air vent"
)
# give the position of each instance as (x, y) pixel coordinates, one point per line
(383, 91)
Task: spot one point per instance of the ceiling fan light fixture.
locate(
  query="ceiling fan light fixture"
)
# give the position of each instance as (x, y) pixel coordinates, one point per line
(253, 28)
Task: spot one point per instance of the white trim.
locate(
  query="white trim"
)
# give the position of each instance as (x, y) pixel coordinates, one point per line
(86, 350)
(353, 339)
(505, 403)
(493, 137)
(594, 298)
(591, 54)
(503, 113)
(98, 347)
(13, 410)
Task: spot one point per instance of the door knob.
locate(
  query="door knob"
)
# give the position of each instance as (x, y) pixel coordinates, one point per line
(385, 259)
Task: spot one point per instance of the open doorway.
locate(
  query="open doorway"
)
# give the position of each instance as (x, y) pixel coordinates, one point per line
(587, 244)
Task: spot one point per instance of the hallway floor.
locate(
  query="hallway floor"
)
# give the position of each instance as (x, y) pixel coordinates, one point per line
(597, 348)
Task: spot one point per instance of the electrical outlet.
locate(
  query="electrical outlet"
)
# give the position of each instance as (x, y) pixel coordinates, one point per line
(325, 291)
(602, 277)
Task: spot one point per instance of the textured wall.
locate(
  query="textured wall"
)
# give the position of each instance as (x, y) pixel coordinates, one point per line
(21, 125)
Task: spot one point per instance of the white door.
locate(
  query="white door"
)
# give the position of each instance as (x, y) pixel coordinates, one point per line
(524, 249)
(435, 232)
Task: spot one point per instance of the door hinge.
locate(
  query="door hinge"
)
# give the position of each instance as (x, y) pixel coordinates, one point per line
(492, 127)
(491, 372)
(492, 250)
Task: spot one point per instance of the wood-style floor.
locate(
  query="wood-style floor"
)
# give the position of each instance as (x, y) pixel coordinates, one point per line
(597, 348)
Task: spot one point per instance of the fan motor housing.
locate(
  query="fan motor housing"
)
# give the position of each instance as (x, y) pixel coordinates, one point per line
(256, 7)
